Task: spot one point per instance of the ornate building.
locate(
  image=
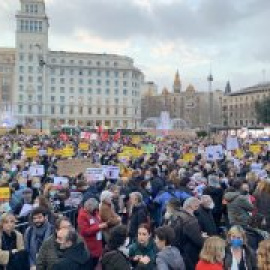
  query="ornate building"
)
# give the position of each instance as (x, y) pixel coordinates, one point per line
(190, 105)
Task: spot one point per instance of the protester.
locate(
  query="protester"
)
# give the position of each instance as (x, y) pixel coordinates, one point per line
(116, 256)
(90, 228)
(75, 255)
(36, 233)
(168, 257)
(212, 254)
(263, 255)
(238, 254)
(143, 252)
(12, 253)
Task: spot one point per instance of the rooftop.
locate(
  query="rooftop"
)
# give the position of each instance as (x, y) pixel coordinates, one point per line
(252, 89)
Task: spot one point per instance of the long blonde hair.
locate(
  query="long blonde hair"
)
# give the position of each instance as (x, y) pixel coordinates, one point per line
(213, 250)
(4, 219)
(263, 255)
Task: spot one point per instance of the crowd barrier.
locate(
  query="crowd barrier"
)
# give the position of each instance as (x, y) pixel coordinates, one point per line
(70, 214)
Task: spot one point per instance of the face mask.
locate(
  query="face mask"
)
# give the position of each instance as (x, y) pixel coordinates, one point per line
(167, 215)
(147, 177)
(236, 243)
(23, 186)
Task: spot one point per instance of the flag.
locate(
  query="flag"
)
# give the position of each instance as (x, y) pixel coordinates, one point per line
(99, 129)
(117, 136)
(104, 136)
(85, 135)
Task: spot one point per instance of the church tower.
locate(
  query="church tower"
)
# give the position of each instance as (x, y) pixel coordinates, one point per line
(177, 84)
(31, 50)
(228, 88)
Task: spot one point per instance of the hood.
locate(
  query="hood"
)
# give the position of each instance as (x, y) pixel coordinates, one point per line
(77, 253)
(230, 196)
(170, 255)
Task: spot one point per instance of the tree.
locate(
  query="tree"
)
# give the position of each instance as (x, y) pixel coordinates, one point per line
(262, 109)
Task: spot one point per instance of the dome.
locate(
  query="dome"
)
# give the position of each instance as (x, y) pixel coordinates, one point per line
(165, 91)
(179, 123)
(190, 88)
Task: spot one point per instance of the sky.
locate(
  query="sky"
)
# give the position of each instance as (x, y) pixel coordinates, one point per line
(230, 37)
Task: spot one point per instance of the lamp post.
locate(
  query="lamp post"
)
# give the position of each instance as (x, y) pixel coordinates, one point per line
(210, 112)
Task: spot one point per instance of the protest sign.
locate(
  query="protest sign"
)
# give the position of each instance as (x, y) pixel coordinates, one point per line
(60, 181)
(57, 152)
(111, 172)
(68, 151)
(232, 143)
(73, 167)
(4, 193)
(84, 146)
(74, 199)
(94, 174)
(149, 148)
(136, 139)
(239, 153)
(255, 148)
(214, 152)
(31, 152)
(189, 157)
(42, 152)
(37, 170)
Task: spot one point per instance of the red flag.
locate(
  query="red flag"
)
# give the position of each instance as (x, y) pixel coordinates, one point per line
(99, 129)
(104, 136)
(117, 136)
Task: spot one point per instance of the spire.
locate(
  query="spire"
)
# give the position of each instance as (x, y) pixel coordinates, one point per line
(177, 83)
(228, 88)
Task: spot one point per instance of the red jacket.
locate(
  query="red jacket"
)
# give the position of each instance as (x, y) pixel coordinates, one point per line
(202, 265)
(89, 229)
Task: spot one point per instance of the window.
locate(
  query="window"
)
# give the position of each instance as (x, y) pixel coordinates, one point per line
(52, 98)
(107, 63)
(62, 99)
(116, 91)
(81, 62)
(107, 82)
(98, 111)
(98, 63)
(80, 110)
(124, 111)
(62, 90)
(89, 110)
(115, 64)
(99, 73)
(52, 80)
(71, 61)
(40, 26)
(116, 83)
(52, 109)
(125, 74)
(71, 81)
(20, 97)
(20, 108)
(107, 91)
(81, 90)
(89, 100)
(98, 82)
(71, 90)
(62, 80)
(98, 91)
(21, 87)
(116, 73)
(90, 91)
(62, 109)
(80, 72)
(80, 81)
(29, 108)
(52, 71)
(53, 89)
(115, 111)
(53, 60)
(21, 78)
(71, 110)
(124, 83)
(71, 71)
(107, 73)
(40, 79)
(107, 111)
(125, 92)
(30, 79)
(39, 97)
(30, 57)
(21, 57)
(62, 71)
(116, 101)
(21, 69)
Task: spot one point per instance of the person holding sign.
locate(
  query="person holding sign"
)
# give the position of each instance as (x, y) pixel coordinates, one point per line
(90, 228)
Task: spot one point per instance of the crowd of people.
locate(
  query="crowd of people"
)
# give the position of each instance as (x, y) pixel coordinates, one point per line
(162, 212)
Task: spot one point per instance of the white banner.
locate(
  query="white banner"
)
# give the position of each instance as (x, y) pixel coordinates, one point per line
(111, 172)
(94, 174)
(214, 152)
(232, 143)
(60, 181)
(37, 170)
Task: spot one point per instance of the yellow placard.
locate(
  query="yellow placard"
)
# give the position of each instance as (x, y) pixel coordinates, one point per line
(4, 193)
(31, 152)
(49, 151)
(84, 146)
(189, 157)
(57, 152)
(239, 153)
(136, 139)
(67, 152)
(255, 148)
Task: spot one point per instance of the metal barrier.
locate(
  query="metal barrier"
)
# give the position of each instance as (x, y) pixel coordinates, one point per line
(70, 214)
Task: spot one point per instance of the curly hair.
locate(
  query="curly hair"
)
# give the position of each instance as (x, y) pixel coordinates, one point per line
(263, 255)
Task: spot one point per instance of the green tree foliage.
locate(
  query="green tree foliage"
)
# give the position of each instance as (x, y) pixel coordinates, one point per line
(263, 111)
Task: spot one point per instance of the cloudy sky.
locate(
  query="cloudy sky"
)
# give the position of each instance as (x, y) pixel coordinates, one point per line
(231, 36)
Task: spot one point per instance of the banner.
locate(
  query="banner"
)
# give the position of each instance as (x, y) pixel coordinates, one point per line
(189, 157)
(57, 152)
(68, 152)
(239, 153)
(73, 167)
(42, 152)
(214, 152)
(31, 152)
(136, 139)
(149, 148)
(94, 174)
(37, 170)
(60, 181)
(4, 193)
(111, 172)
(255, 149)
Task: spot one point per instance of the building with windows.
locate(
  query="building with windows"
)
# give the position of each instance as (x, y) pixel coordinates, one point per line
(238, 108)
(7, 65)
(190, 105)
(53, 88)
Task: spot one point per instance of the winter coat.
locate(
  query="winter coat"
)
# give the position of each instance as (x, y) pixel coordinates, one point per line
(150, 251)
(75, 258)
(138, 216)
(238, 208)
(249, 258)
(108, 215)
(49, 254)
(157, 185)
(217, 195)
(188, 237)
(206, 221)
(202, 265)
(115, 260)
(88, 227)
(262, 203)
(4, 254)
(170, 259)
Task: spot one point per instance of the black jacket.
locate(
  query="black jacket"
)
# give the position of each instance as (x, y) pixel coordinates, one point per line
(138, 216)
(75, 258)
(188, 238)
(115, 260)
(206, 221)
(217, 196)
